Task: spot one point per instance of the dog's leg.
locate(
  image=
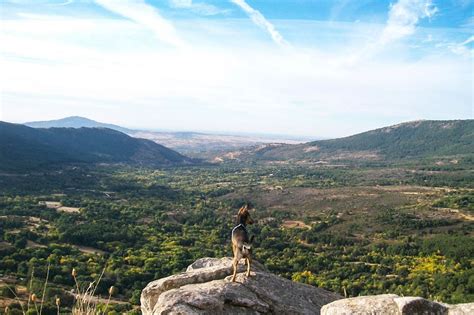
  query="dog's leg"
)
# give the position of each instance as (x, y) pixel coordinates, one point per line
(235, 262)
(249, 260)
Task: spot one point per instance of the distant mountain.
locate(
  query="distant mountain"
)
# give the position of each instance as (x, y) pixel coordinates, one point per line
(185, 142)
(23, 147)
(74, 122)
(418, 139)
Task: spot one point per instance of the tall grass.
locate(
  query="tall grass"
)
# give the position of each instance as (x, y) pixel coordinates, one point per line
(85, 300)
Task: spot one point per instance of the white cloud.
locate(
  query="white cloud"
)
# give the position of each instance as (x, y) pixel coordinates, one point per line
(261, 21)
(57, 67)
(403, 18)
(146, 15)
(198, 7)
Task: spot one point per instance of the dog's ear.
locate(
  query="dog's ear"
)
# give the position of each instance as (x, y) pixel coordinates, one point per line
(251, 239)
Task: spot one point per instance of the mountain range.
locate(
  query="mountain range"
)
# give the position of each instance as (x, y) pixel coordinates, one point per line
(24, 148)
(185, 142)
(75, 122)
(405, 141)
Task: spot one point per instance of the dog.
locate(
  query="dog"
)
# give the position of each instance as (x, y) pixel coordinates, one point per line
(241, 243)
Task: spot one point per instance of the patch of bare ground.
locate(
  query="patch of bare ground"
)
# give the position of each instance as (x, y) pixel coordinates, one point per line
(59, 207)
(89, 250)
(291, 224)
(50, 204)
(457, 213)
(4, 245)
(69, 209)
(31, 244)
(266, 220)
(317, 200)
(145, 220)
(311, 148)
(355, 155)
(306, 244)
(363, 263)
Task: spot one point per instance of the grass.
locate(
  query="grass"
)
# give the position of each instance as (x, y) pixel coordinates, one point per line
(85, 300)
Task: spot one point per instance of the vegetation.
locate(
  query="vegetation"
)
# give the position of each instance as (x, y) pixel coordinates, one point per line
(24, 148)
(400, 142)
(372, 229)
(350, 225)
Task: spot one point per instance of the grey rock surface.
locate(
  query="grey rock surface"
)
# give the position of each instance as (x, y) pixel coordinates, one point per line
(392, 304)
(461, 309)
(205, 288)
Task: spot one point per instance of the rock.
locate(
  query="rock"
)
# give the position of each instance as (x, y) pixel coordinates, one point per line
(418, 305)
(393, 304)
(205, 288)
(363, 305)
(225, 262)
(461, 309)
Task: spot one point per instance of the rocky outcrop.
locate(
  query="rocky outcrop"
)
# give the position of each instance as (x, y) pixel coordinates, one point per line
(205, 288)
(392, 304)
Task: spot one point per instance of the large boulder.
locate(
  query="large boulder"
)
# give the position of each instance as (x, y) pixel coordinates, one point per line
(205, 288)
(392, 304)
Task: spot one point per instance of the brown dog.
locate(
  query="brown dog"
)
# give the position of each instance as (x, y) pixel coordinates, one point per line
(241, 244)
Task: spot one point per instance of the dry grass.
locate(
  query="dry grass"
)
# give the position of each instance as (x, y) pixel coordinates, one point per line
(59, 207)
(89, 250)
(290, 224)
(69, 209)
(86, 302)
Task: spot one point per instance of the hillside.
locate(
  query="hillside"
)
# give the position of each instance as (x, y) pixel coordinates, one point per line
(411, 140)
(185, 142)
(23, 147)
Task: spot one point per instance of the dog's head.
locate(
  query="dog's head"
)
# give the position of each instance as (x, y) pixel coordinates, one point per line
(244, 215)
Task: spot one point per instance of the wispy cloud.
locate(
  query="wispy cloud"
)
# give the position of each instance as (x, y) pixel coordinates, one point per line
(67, 2)
(145, 15)
(198, 7)
(462, 48)
(403, 18)
(261, 21)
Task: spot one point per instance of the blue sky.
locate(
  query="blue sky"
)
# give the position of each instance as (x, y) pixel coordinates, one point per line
(314, 68)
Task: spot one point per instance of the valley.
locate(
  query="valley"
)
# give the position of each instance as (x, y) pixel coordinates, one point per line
(353, 226)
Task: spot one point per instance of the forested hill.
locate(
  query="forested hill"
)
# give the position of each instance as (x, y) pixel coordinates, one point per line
(22, 147)
(418, 139)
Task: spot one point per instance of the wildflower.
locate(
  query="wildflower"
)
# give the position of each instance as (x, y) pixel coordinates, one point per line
(58, 302)
(33, 298)
(112, 290)
(74, 272)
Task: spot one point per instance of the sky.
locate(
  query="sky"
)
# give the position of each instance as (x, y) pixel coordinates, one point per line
(316, 68)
